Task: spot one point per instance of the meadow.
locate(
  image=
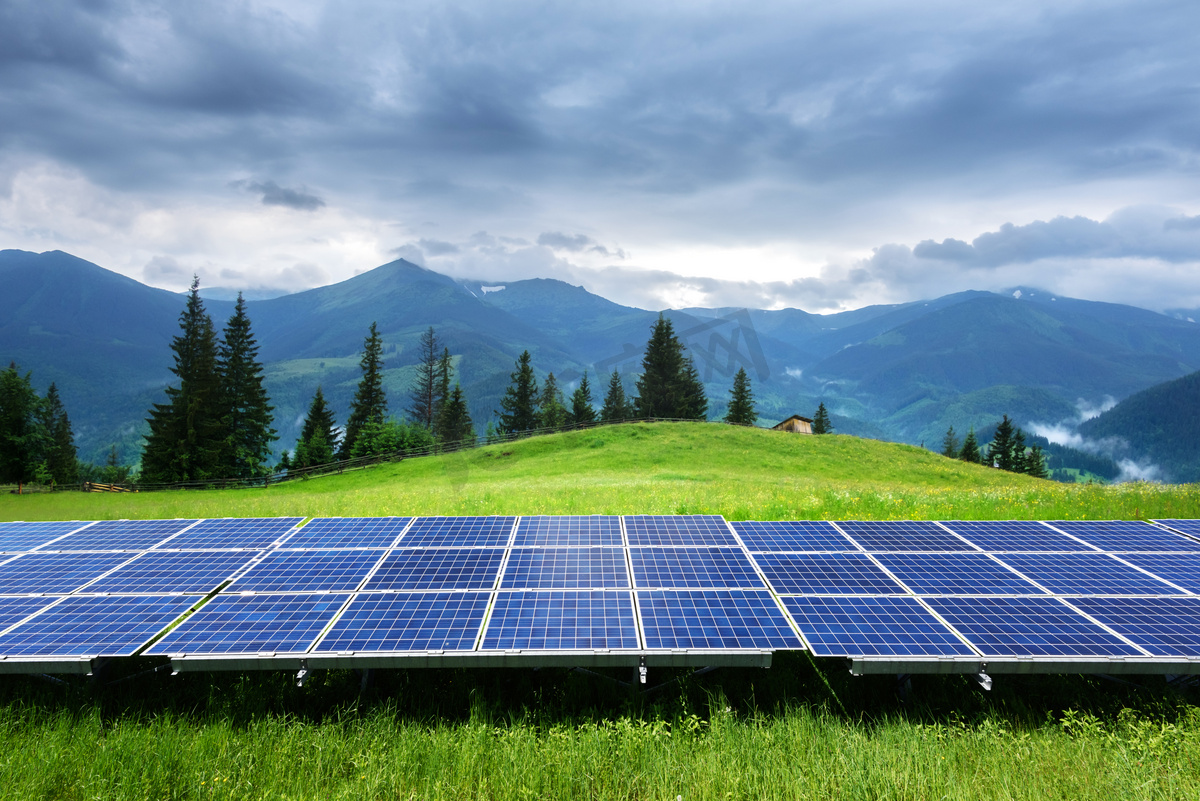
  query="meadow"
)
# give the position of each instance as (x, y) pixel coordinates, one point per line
(804, 728)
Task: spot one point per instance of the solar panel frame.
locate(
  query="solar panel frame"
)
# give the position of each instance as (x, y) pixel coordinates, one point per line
(956, 573)
(553, 531)
(407, 622)
(333, 570)
(1127, 536)
(56, 573)
(825, 574)
(458, 532)
(1162, 626)
(678, 531)
(234, 533)
(84, 626)
(565, 569)
(236, 624)
(1015, 536)
(863, 626)
(793, 536)
(693, 568)
(333, 533)
(1087, 574)
(557, 620)
(430, 569)
(154, 572)
(902, 535)
(713, 619)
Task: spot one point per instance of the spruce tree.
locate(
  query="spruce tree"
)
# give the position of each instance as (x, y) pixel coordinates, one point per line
(1035, 463)
(23, 435)
(950, 444)
(319, 436)
(370, 402)
(693, 403)
(582, 411)
(61, 458)
(741, 401)
(519, 412)
(426, 389)
(445, 373)
(970, 448)
(821, 423)
(660, 386)
(455, 422)
(245, 407)
(1000, 451)
(1018, 451)
(616, 406)
(552, 412)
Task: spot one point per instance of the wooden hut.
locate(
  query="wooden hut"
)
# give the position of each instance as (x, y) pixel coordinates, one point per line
(796, 424)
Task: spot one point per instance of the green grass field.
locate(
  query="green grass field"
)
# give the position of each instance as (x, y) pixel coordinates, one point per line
(803, 729)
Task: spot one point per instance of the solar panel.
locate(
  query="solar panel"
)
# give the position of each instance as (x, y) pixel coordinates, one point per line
(1086, 574)
(1163, 626)
(826, 574)
(678, 530)
(567, 532)
(438, 569)
(309, 571)
(561, 620)
(230, 533)
(902, 535)
(173, 571)
(1190, 527)
(714, 619)
(19, 536)
(252, 624)
(693, 567)
(956, 574)
(999, 536)
(1126, 535)
(416, 621)
(14, 610)
(458, 532)
(801, 535)
(895, 626)
(91, 626)
(348, 532)
(55, 572)
(1178, 568)
(565, 568)
(1028, 627)
(119, 535)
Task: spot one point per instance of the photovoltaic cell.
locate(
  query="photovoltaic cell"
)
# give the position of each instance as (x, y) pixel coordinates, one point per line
(51, 573)
(20, 536)
(1190, 527)
(693, 568)
(1163, 626)
(458, 532)
(418, 621)
(119, 535)
(174, 571)
(438, 569)
(902, 535)
(800, 535)
(252, 624)
(565, 568)
(895, 626)
(309, 571)
(998, 536)
(14, 610)
(229, 533)
(1027, 627)
(568, 532)
(956, 574)
(714, 619)
(678, 530)
(561, 620)
(1178, 568)
(826, 574)
(86, 626)
(1086, 574)
(348, 532)
(1126, 536)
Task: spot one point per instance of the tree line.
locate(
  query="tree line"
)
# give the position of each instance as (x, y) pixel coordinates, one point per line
(36, 441)
(1006, 451)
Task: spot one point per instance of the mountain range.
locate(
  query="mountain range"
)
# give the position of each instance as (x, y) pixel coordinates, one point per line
(904, 372)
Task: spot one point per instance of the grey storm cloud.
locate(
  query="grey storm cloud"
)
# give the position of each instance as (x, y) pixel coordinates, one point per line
(275, 195)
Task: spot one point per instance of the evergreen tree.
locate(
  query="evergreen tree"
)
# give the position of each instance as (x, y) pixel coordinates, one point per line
(950, 444)
(23, 435)
(185, 440)
(616, 406)
(582, 412)
(318, 436)
(114, 472)
(741, 401)
(519, 412)
(552, 412)
(1035, 463)
(821, 423)
(970, 448)
(445, 374)
(246, 409)
(455, 422)
(660, 386)
(62, 461)
(1018, 451)
(693, 403)
(370, 402)
(426, 390)
(1000, 451)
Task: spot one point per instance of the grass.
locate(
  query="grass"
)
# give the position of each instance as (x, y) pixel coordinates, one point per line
(803, 729)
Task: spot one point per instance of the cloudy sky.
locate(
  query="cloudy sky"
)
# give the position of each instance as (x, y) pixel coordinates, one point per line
(816, 155)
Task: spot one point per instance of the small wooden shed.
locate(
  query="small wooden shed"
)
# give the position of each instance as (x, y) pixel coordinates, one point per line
(796, 424)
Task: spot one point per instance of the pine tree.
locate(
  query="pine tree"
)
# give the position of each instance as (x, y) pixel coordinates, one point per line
(1000, 451)
(519, 405)
(61, 458)
(741, 401)
(970, 448)
(23, 436)
(659, 388)
(693, 403)
(616, 406)
(246, 409)
(455, 422)
(582, 411)
(552, 412)
(821, 423)
(950, 444)
(445, 374)
(1018, 451)
(318, 436)
(426, 389)
(370, 402)
(1035, 463)
(185, 440)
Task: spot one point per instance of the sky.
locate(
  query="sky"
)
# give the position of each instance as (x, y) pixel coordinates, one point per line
(812, 155)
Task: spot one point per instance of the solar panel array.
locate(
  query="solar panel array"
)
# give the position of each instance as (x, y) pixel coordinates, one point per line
(894, 596)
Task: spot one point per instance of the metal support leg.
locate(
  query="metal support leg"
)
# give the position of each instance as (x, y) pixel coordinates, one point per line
(904, 686)
(302, 676)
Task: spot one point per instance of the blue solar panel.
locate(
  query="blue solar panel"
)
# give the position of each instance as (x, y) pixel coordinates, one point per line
(252, 624)
(1189, 527)
(826, 574)
(678, 530)
(561, 620)
(1163, 626)
(703, 619)
(348, 532)
(568, 532)
(1126, 535)
(229, 533)
(174, 571)
(438, 569)
(1178, 568)
(458, 532)
(565, 568)
(55, 572)
(14, 610)
(998, 536)
(309, 571)
(956, 574)
(893, 626)
(94, 626)
(800, 535)
(416, 621)
(1027, 627)
(693, 567)
(1086, 574)
(19, 536)
(119, 535)
(902, 535)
